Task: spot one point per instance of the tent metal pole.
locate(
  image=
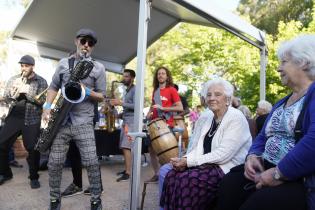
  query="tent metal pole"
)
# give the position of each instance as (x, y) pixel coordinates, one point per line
(144, 16)
(263, 63)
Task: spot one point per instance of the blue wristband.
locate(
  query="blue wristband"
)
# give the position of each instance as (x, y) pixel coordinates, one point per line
(47, 105)
(87, 91)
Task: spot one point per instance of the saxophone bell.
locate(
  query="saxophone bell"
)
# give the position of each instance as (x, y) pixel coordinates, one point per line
(73, 92)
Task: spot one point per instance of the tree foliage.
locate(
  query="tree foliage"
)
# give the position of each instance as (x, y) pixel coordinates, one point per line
(266, 14)
(195, 54)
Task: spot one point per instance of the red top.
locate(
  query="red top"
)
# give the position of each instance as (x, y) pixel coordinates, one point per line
(169, 96)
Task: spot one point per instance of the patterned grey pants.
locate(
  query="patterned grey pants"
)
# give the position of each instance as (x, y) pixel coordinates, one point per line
(83, 136)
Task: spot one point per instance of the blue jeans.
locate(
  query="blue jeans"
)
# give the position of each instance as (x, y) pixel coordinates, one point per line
(163, 171)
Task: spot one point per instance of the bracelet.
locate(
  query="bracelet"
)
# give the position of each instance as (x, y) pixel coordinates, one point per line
(87, 91)
(47, 105)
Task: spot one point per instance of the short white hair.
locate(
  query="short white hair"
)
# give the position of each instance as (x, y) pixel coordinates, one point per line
(301, 51)
(228, 87)
(265, 105)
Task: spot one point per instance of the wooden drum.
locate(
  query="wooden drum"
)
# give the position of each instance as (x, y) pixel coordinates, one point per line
(180, 122)
(163, 141)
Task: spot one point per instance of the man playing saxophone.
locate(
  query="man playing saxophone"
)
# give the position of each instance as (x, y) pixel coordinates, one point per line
(23, 118)
(127, 116)
(78, 122)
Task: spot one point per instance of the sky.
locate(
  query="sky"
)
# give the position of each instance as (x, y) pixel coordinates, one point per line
(11, 11)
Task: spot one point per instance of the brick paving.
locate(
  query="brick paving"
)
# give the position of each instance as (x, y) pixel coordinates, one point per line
(16, 194)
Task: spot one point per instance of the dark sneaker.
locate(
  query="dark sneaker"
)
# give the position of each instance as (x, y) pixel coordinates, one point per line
(3, 179)
(96, 205)
(71, 190)
(153, 179)
(35, 184)
(54, 204)
(88, 192)
(123, 178)
(121, 173)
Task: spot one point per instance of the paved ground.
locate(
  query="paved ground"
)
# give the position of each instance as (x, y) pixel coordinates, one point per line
(16, 194)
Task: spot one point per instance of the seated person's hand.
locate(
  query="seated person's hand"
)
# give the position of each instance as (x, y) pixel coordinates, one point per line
(266, 179)
(179, 164)
(253, 166)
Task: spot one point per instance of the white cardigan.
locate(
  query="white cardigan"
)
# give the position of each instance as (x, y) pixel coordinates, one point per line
(230, 143)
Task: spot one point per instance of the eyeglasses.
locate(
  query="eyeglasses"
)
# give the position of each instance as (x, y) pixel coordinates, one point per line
(90, 42)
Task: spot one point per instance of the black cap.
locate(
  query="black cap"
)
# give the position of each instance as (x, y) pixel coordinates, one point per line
(27, 59)
(86, 32)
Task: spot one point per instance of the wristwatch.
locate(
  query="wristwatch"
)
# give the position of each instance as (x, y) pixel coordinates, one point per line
(277, 175)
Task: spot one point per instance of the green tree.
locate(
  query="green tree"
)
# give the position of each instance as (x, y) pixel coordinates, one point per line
(266, 14)
(195, 54)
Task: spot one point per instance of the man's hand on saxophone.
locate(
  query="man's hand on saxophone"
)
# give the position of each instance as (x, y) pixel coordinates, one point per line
(46, 115)
(51, 95)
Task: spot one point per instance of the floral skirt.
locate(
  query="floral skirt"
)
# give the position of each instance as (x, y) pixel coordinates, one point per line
(194, 188)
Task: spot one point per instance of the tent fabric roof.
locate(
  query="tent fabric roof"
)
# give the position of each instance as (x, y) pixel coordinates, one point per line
(53, 24)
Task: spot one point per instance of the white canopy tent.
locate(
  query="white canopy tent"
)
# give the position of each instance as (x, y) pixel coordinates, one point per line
(125, 28)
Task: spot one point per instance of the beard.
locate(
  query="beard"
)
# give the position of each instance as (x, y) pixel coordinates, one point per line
(126, 83)
(26, 74)
(84, 54)
(162, 82)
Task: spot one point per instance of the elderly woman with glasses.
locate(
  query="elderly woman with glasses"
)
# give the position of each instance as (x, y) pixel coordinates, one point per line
(282, 155)
(220, 141)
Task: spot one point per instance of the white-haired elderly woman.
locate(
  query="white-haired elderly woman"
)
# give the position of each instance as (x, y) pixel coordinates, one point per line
(262, 111)
(220, 141)
(282, 155)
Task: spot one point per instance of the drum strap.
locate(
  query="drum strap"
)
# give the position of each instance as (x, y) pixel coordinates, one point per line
(157, 100)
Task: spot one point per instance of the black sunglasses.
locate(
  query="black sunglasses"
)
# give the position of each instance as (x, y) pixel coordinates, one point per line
(90, 42)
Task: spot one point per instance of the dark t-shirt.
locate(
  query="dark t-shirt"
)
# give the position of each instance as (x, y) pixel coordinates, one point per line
(260, 120)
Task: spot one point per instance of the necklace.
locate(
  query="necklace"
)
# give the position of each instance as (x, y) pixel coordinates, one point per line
(213, 124)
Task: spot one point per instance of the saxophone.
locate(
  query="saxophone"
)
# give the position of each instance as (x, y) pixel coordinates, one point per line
(63, 106)
(110, 111)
